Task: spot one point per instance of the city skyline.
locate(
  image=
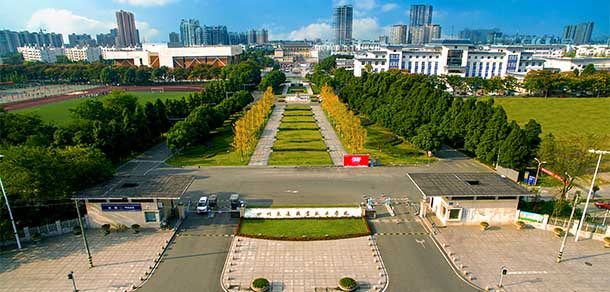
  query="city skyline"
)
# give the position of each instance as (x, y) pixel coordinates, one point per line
(157, 18)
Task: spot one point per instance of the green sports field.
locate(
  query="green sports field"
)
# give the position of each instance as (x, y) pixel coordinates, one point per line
(564, 117)
(59, 112)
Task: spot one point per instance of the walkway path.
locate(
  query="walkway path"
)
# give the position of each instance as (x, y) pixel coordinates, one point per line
(263, 148)
(335, 148)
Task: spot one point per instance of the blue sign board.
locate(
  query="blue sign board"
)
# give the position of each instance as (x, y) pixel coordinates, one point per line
(121, 207)
(531, 180)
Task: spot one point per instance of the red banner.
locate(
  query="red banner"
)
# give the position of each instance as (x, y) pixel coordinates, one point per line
(554, 175)
(356, 160)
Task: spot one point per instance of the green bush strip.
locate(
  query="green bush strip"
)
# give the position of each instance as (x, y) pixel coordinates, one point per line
(303, 229)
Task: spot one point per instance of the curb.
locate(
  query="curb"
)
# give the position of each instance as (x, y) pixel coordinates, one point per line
(378, 255)
(160, 255)
(224, 267)
(445, 255)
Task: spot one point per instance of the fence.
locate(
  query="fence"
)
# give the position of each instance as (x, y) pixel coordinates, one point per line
(589, 230)
(53, 229)
(588, 227)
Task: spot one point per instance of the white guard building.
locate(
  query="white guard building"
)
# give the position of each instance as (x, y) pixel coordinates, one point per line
(469, 198)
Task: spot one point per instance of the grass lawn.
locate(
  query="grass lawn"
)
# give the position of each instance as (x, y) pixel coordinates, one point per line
(564, 117)
(303, 227)
(297, 89)
(390, 149)
(298, 140)
(59, 112)
(218, 152)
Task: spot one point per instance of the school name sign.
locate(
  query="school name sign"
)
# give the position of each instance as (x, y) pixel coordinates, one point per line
(292, 213)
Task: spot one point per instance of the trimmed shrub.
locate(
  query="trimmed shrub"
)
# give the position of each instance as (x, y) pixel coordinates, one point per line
(607, 241)
(347, 284)
(36, 237)
(136, 228)
(106, 229)
(484, 225)
(520, 225)
(558, 231)
(260, 284)
(76, 230)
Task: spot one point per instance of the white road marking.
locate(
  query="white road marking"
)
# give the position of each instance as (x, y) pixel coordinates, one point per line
(421, 242)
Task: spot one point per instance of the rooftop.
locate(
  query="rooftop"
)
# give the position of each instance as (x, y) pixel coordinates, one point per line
(142, 187)
(466, 184)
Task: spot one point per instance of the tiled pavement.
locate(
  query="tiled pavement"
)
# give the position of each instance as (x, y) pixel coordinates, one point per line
(333, 144)
(120, 260)
(263, 148)
(530, 257)
(304, 265)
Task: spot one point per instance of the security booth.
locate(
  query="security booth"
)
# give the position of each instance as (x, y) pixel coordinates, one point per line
(469, 198)
(236, 205)
(149, 201)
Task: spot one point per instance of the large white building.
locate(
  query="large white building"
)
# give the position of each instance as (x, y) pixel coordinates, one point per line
(158, 55)
(461, 57)
(88, 54)
(40, 54)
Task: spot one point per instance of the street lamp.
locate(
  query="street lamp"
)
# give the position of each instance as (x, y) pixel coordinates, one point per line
(540, 163)
(565, 236)
(10, 213)
(71, 277)
(584, 213)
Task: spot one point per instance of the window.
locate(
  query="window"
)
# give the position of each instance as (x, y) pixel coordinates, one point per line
(455, 214)
(150, 216)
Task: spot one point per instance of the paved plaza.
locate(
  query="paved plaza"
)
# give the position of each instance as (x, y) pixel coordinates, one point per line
(120, 260)
(333, 144)
(530, 257)
(304, 265)
(265, 143)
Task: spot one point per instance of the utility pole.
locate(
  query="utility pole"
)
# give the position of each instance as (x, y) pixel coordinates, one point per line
(71, 277)
(82, 230)
(584, 212)
(565, 236)
(540, 163)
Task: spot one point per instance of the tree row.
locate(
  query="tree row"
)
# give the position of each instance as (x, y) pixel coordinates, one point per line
(345, 122)
(249, 127)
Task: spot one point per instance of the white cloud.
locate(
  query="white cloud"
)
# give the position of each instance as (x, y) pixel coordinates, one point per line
(147, 33)
(366, 29)
(388, 7)
(365, 4)
(66, 22)
(145, 3)
(315, 30)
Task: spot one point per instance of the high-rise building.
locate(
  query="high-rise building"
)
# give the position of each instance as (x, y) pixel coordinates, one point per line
(9, 41)
(81, 40)
(421, 30)
(480, 36)
(578, 33)
(174, 37)
(384, 39)
(583, 33)
(107, 39)
(398, 34)
(342, 24)
(215, 35)
(190, 32)
(262, 36)
(126, 25)
(252, 36)
(420, 15)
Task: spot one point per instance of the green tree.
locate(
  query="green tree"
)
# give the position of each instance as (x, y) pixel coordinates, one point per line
(588, 70)
(427, 138)
(514, 150)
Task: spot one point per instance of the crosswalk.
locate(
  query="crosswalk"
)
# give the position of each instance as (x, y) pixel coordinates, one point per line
(401, 233)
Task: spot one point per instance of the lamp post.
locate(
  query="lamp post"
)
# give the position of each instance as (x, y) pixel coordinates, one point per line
(565, 236)
(82, 230)
(71, 277)
(10, 213)
(540, 163)
(584, 212)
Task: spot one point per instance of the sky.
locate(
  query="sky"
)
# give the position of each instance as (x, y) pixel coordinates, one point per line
(290, 19)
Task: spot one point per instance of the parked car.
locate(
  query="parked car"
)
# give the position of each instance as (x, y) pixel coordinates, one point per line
(603, 205)
(203, 205)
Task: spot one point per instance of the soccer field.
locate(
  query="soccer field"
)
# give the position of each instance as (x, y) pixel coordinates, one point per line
(564, 117)
(59, 112)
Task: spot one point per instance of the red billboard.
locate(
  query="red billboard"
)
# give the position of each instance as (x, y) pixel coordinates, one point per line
(356, 160)
(554, 175)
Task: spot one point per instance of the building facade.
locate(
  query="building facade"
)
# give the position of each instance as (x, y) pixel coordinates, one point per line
(11, 40)
(420, 15)
(342, 24)
(158, 55)
(421, 30)
(107, 39)
(126, 30)
(40, 54)
(86, 54)
(461, 57)
(578, 34)
(398, 34)
(81, 40)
